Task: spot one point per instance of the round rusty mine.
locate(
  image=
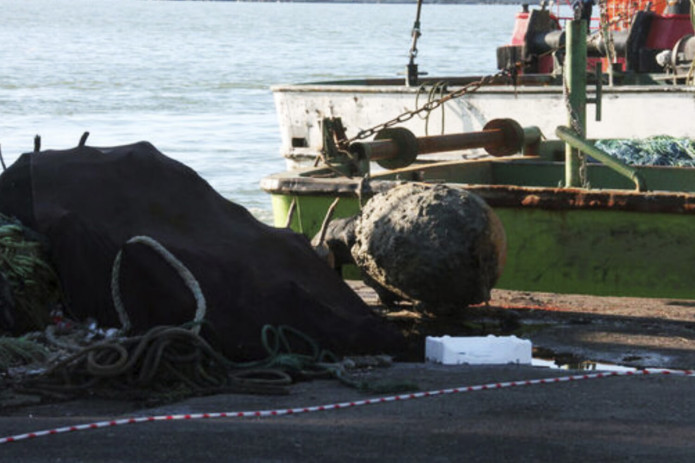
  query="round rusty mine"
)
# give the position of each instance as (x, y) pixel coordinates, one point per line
(439, 245)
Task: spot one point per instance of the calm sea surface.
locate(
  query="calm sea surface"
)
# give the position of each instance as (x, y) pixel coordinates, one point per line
(193, 77)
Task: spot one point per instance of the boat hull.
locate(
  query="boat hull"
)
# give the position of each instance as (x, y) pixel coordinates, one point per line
(634, 111)
(606, 243)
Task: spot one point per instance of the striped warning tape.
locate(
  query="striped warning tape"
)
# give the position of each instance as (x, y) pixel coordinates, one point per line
(341, 405)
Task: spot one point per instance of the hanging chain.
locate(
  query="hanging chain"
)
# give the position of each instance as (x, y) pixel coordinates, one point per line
(415, 34)
(605, 31)
(690, 77)
(427, 107)
(576, 126)
(411, 71)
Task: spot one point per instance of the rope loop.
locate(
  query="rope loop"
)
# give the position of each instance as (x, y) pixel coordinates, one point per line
(285, 330)
(185, 274)
(274, 348)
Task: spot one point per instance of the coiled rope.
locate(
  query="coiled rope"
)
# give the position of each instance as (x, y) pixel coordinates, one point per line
(168, 358)
(172, 358)
(163, 357)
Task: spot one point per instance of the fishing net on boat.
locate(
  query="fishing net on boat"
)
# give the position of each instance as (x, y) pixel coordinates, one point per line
(660, 150)
(90, 202)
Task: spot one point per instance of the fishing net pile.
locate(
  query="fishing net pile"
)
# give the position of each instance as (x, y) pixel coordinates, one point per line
(138, 240)
(29, 288)
(659, 150)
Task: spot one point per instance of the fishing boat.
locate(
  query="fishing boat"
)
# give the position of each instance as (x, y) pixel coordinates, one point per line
(630, 234)
(577, 219)
(640, 62)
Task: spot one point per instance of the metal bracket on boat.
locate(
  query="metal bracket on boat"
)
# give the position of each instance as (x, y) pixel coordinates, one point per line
(411, 72)
(570, 137)
(335, 153)
(397, 147)
(598, 72)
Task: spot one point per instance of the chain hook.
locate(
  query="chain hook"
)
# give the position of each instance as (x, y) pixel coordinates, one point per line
(411, 71)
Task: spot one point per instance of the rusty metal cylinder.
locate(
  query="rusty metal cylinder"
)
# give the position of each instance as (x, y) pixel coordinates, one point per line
(381, 149)
(440, 143)
(499, 137)
(397, 147)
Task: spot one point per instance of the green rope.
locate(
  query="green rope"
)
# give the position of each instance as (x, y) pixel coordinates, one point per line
(290, 350)
(315, 362)
(174, 362)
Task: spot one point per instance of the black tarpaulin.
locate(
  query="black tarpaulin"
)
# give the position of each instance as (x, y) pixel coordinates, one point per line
(90, 201)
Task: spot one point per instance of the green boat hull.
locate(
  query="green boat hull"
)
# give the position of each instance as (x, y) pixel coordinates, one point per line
(608, 242)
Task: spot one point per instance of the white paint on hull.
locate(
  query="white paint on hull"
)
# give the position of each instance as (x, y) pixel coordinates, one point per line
(627, 111)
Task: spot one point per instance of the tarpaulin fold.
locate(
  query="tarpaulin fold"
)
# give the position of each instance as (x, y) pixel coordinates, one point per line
(89, 202)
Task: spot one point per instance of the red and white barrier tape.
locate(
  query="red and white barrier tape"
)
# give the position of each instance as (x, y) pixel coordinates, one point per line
(339, 406)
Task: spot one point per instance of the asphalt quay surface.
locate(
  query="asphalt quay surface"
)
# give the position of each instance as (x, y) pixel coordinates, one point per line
(640, 418)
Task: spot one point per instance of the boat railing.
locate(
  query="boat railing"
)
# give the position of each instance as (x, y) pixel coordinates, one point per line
(569, 136)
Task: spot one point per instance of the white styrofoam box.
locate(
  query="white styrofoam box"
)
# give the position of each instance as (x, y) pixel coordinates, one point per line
(477, 350)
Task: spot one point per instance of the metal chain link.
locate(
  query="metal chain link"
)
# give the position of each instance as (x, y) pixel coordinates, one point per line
(690, 77)
(605, 30)
(427, 107)
(574, 122)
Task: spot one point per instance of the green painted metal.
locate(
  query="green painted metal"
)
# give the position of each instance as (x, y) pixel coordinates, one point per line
(541, 173)
(587, 148)
(309, 214)
(310, 211)
(598, 252)
(575, 80)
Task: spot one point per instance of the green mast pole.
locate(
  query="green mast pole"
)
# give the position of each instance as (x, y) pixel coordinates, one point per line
(575, 82)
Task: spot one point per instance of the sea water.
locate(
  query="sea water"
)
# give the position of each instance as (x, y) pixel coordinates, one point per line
(193, 77)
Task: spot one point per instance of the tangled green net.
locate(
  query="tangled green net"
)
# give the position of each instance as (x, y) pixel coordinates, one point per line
(660, 150)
